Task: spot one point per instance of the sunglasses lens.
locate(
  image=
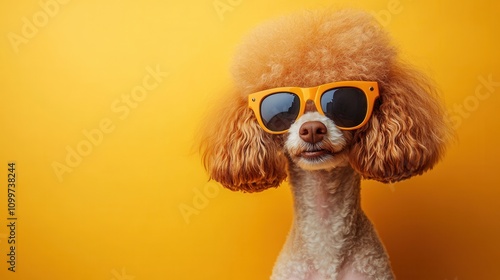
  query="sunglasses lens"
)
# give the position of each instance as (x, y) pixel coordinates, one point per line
(279, 110)
(346, 106)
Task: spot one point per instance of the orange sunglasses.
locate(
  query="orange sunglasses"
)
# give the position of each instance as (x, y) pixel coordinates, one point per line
(349, 104)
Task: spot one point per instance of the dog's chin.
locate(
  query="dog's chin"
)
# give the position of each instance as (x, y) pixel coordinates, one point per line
(320, 159)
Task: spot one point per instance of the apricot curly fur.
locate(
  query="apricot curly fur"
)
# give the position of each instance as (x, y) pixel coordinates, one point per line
(405, 136)
(237, 153)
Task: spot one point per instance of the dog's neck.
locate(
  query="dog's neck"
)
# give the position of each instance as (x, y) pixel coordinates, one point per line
(327, 213)
(326, 196)
(331, 237)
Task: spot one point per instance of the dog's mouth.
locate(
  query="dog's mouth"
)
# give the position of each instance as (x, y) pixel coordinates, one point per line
(316, 154)
(319, 157)
(313, 154)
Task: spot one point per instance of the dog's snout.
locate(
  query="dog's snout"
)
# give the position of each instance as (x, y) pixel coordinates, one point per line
(312, 132)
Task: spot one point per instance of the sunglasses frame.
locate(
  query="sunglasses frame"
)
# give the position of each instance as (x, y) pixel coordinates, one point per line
(369, 88)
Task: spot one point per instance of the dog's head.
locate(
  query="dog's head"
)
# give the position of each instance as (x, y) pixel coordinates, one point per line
(404, 135)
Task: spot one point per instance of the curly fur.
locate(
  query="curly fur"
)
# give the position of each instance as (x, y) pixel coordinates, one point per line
(238, 153)
(331, 238)
(407, 135)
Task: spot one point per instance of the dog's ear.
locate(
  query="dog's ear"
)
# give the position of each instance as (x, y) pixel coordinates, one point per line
(237, 153)
(407, 132)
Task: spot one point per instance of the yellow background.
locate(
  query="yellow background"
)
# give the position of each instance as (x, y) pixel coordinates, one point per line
(118, 214)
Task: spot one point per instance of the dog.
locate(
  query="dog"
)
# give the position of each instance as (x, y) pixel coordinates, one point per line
(323, 98)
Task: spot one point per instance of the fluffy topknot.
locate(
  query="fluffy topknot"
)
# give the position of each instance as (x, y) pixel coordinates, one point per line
(310, 48)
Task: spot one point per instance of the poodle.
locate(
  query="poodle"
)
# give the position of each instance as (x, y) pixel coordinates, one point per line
(323, 99)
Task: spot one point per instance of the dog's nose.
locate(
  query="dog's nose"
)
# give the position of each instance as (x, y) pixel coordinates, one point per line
(312, 132)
